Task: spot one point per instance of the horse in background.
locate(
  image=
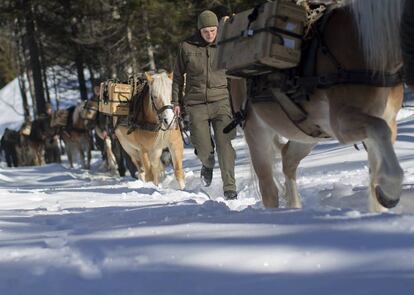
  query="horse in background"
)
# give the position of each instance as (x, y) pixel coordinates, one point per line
(77, 133)
(155, 128)
(114, 156)
(8, 144)
(33, 137)
(361, 35)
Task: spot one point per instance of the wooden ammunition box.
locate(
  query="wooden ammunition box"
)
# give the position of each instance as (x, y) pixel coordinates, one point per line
(114, 98)
(260, 40)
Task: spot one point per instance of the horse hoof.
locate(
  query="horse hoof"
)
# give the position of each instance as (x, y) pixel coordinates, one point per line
(384, 200)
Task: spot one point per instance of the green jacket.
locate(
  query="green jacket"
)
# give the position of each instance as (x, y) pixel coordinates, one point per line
(195, 59)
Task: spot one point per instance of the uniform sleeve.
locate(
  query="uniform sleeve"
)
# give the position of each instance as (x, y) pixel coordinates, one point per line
(178, 79)
(407, 41)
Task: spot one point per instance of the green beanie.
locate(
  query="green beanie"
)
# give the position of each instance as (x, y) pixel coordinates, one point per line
(207, 19)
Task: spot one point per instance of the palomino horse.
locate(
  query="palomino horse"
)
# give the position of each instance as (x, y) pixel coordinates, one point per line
(360, 35)
(76, 135)
(155, 129)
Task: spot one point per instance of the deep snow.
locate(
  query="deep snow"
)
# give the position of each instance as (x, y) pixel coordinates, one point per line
(71, 231)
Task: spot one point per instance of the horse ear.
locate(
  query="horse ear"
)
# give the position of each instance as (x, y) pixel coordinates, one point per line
(170, 75)
(149, 77)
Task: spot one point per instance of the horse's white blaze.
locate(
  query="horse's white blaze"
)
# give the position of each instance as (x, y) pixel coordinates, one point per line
(161, 89)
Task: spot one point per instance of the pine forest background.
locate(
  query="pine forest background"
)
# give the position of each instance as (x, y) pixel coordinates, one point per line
(109, 39)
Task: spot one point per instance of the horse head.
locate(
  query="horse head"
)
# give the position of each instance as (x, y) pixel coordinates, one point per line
(160, 91)
(41, 129)
(89, 111)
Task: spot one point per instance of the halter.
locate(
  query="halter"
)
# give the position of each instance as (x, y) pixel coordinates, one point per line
(86, 107)
(160, 111)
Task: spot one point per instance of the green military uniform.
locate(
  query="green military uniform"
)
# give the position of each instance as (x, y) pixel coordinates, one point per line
(407, 41)
(206, 100)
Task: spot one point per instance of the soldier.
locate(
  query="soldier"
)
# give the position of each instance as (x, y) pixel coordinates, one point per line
(52, 149)
(206, 100)
(407, 42)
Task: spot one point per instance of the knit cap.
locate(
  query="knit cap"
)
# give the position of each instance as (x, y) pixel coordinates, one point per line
(207, 19)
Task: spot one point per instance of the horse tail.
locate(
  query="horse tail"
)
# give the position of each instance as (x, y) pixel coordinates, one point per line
(378, 23)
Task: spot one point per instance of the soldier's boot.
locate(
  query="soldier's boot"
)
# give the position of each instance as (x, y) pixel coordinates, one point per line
(206, 175)
(230, 195)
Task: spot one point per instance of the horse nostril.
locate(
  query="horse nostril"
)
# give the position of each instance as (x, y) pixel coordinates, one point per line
(165, 121)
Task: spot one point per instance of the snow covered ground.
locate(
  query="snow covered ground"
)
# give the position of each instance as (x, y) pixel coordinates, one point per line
(72, 231)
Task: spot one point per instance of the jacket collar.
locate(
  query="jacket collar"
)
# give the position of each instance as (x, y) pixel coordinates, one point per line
(197, 40)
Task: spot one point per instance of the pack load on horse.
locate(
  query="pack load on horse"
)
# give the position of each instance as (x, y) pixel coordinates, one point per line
(259, 40)
(149, 127)
(114, 98)
(59, 118)
(347, 86)
(76, 133)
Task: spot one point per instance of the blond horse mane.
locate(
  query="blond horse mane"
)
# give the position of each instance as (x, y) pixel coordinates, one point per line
(161, 87)
(378, 23)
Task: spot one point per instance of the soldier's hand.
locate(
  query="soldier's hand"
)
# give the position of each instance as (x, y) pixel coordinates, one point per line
(177, 110)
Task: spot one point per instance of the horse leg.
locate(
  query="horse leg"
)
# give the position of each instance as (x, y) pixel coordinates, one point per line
(42, 155)
(262, 152)
(68, 147)
(88, 151)
(110, 157)
(292, 153)
(352, 125)
(81, 152)
(154, 159)
(373, 164)
(176, 148)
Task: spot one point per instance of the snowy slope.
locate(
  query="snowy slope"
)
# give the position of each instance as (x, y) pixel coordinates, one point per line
(70, 231)
(83, 232)
(63, 87)
(11, 107)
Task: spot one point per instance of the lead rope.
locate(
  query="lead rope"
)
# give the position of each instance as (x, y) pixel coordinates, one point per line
(183, 132)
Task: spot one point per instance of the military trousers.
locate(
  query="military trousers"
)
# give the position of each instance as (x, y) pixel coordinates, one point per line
(207, 122)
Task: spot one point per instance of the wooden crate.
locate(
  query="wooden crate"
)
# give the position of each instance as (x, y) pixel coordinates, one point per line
(114, 98)
(272, 41)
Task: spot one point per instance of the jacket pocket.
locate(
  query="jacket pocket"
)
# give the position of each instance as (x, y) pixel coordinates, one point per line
(218, 79)
(195, 63)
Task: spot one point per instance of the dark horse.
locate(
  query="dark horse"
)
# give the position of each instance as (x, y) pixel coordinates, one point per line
(8, 144)
(33, 145)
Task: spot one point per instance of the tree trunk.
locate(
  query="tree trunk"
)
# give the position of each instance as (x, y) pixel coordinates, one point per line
(150, 49)
(81, 77)
(22, 86)
(55, 85)
(44, 71)
(91, 76)
(133, 51)
(20, 70)
(34, 59)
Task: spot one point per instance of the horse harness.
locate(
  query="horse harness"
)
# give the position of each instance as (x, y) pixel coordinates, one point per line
(136, 108)
(289, 88)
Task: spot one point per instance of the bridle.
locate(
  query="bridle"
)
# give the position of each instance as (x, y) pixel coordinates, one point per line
(88, 107)
(159, 112)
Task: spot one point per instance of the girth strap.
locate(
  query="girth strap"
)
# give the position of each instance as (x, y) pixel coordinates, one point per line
(294, 112)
